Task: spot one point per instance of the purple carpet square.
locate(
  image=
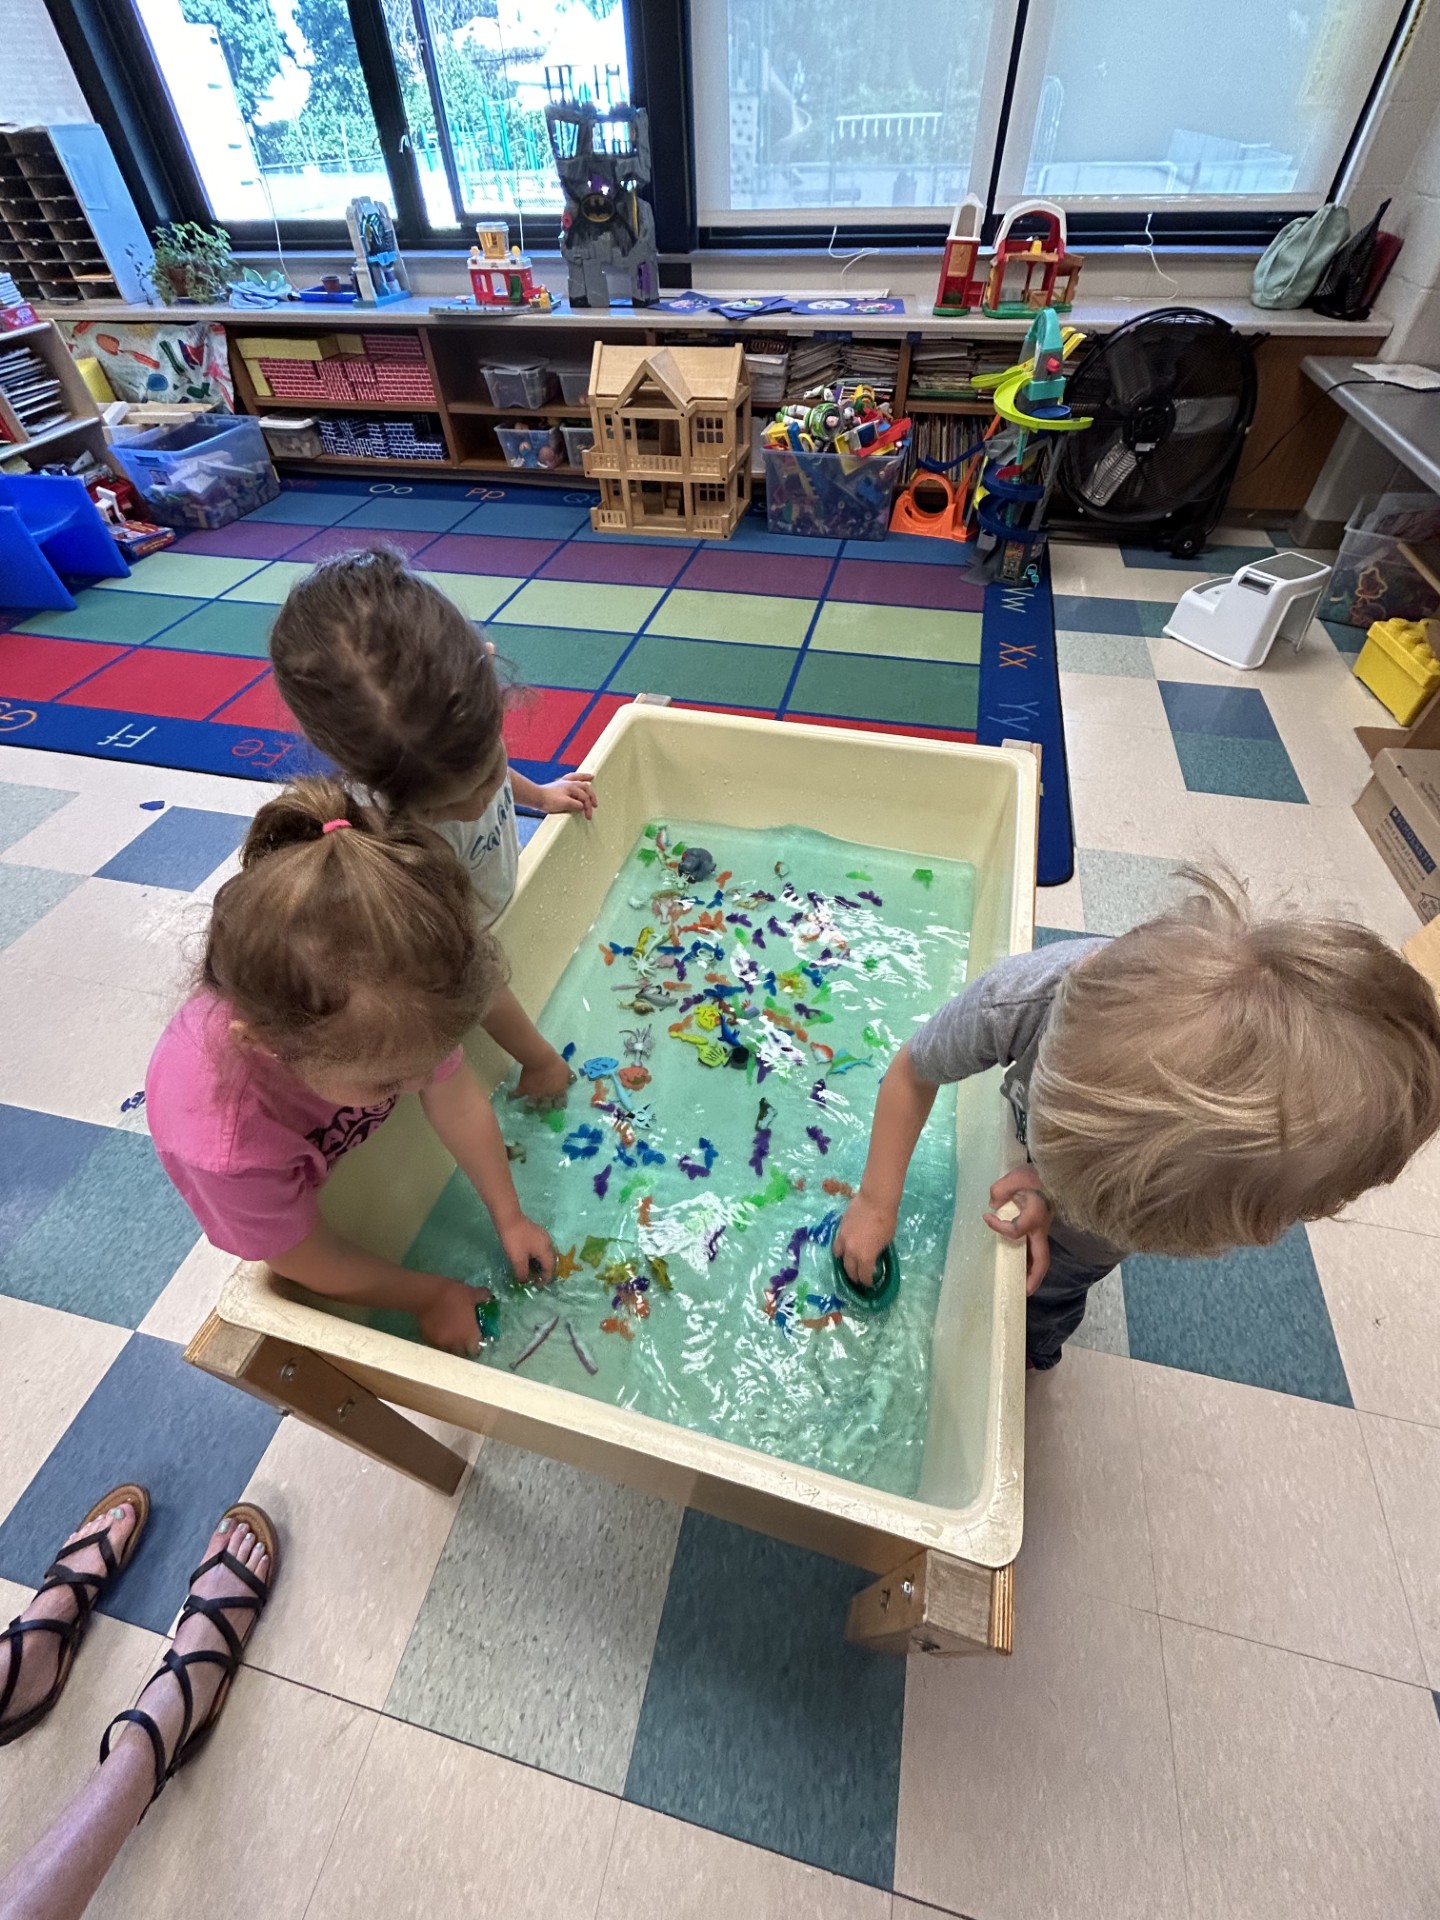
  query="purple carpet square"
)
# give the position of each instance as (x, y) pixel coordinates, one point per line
(246, 540)
(326, 542)
(802, 577)
(487, 553)
(617, 566)
(899, 584)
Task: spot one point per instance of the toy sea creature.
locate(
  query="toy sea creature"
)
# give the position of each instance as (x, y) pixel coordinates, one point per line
(614, 1324)
(599, 1068)
(487, 1319)
(633, 1078)
(535, 1345)
(696, 863)
(924, 875)
(661, 1273)
(593, 1251)
(713, 1053)
(840, 1187)
(822, 1140)
(580, 1354)
(582, 1144)
(761, 1149)
(602, 1183)
(638, 1041)
(693, 1169)
(566, 1264)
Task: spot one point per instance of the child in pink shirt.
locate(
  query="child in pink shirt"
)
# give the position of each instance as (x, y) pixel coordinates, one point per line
(342, 967)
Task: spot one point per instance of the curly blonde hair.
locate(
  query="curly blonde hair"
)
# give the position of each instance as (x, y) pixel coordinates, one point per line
(1214, 1076)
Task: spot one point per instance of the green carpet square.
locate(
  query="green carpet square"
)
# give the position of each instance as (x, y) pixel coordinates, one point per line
(901, 633)
(730, 675)
(225, 626)
(560, 656)
(478, 595)
(579, 603)
(748, 619)
(271, 584)
(906, 692)
(195, 576)
(124, 619)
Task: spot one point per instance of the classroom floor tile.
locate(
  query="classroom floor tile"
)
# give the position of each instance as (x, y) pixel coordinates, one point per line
(325, 542)
(238, 627)
(181, 848)
(560, 656)
(705, 670)
(268, 586)
(184, 686)
(472, 553)
(502, 519)
(900, 633)
(662, 1869)
(478, 595)
(195, 576)
(250, 539)
(39, 1153)
(50, 1364)
(297, 507)
(625, 565)
(1253, 769)
(37, 668)
(23, 809)
(579, 604)
(27, 896)
(905, 584)
(1084, 650)
(1239, 713)
(753, 619)
(394, 514)
(1096, 613)
(1379, 1287)
(734, 1717)
(108, 1031)
(537, 723)
(1405, 1460)
(802, 578)
(121, 619)
(1122, 889)
(917, 692)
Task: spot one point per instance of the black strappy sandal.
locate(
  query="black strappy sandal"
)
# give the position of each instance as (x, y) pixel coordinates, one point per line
(87, 1588)
(189, 1744)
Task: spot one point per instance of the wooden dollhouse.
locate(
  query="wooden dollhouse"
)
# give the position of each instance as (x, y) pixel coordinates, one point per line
(672, 439)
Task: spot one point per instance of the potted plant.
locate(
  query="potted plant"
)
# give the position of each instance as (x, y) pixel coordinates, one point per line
(193, 263)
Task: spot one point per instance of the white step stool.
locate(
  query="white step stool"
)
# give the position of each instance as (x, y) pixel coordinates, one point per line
(1238, 620)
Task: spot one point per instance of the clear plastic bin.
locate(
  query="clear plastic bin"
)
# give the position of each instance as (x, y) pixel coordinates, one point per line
(529, 385)
(1383, 570)
(577, 439)
(203, 475)
(290, 436)
(530, 447)
(574, 384)
(838, 496)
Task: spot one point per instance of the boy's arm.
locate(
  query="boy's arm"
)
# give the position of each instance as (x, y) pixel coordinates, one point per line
(465, 1121)
(901, 1111)
(327, 1263)
(572, 793)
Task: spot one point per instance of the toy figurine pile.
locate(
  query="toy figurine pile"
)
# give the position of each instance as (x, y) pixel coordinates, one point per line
(838, 419)
(832, 463)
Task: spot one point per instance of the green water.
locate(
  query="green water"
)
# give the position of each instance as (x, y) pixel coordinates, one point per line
(750, 1339)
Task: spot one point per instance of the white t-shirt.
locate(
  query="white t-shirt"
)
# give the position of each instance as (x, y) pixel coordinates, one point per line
(489, 848)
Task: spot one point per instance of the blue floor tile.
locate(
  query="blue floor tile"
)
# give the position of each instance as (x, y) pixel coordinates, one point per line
(23, 808)
(27, 894)
(519, 520)
(1083, 650)
(760, 1720)
(1094, 613)
(1051, 936)
(39, 1152)
(108, 1241)
(1348, 640)
(1238, 712)
(1254, 769)
(191, 1439)
(1153, 615)
(182, 848)
(1256, 1315)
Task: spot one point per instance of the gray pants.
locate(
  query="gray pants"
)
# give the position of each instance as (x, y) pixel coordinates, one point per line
(1057, 1306)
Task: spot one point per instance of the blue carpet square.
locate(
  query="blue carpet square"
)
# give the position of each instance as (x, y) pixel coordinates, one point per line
(410, 516)
(108, 1241)
(518, 519)
(526, 825)
(39, 1153)
(23, 808)
(1238, 712)
(27, 894)
(760, 1720)
(754, 536)
(318, 509)
(1256, 1315)
(920, 549)
(1095, 613)
(182, 848)
(1255, 769)
(192, 1440)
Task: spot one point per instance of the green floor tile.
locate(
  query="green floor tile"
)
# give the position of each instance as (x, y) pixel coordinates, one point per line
(733, 676)
(578, 603)
(751, 619)
(1153, 614)
(272, 583)
(906, 692)
(478, 595)
(1251, 769)
(124, 619)
(902, 633)
(559, 656)
(198, 576)
(1123, 654)
(225, 626)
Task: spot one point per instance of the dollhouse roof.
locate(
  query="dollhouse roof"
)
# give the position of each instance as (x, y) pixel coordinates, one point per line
(688, 377)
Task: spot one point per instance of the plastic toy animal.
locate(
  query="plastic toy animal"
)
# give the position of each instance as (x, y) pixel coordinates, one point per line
(605, 223)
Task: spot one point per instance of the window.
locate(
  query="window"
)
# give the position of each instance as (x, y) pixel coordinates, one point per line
(272, 103)
(834, 109)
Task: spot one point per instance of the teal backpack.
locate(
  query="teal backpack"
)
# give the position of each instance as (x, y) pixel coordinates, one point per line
(1289, 270)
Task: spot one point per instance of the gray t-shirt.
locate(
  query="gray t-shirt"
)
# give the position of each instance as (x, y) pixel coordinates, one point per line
(489, 850)
(999, 1021)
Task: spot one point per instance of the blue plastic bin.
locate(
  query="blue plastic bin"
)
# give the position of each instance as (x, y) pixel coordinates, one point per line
(838, 496)
(205, 474)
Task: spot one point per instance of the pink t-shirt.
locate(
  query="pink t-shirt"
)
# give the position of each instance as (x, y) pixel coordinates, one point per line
(247, 1144)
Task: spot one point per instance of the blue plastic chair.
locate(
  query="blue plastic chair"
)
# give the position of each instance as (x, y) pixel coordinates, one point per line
(50, 526)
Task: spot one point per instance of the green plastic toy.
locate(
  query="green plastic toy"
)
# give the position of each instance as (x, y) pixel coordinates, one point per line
(884, 1282)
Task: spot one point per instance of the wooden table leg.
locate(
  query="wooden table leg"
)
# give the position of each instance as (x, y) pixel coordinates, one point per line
(298, 1381)
(934, 1604)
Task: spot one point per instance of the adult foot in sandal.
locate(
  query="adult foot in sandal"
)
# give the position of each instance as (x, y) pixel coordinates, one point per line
(44, 1636)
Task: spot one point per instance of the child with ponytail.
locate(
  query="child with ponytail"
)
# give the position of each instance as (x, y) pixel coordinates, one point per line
(342, 968)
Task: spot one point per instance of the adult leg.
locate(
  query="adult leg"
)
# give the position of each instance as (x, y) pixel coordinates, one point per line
(60, 1875)
(1057, 1306)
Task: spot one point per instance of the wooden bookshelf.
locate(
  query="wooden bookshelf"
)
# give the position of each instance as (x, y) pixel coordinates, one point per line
(82, 432)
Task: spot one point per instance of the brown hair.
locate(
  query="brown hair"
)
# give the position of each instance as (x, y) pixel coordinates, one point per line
(1214, 1076)
(355, 944)
(388, 677)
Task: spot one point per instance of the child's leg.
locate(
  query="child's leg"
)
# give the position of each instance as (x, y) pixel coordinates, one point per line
(543, 1074)
(1057, 1306)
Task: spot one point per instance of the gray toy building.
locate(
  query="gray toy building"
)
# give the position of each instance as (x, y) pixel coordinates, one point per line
(603, 159)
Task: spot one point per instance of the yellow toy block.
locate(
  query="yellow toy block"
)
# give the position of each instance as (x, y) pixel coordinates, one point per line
(1398, 664)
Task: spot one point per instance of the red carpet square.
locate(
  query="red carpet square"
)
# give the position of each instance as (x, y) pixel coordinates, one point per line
(596, 721)
(34, 668)
(897, 583)
(707, 706)
(536, 724)
(261, 707)
(322, 542)
(622, 565)
(802, 577)
(178, 686)
(963, 737)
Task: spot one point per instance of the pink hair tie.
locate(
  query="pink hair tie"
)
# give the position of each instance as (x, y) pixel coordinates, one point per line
(334, 826)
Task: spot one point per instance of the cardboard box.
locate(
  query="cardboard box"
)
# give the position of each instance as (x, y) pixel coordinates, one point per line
(1422, 950)
(1400, 810)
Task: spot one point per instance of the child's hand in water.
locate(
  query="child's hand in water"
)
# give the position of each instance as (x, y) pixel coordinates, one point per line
(862, 1237)
(527, 1245)
(1027, 1217)
(449, 1321)
(575, 793)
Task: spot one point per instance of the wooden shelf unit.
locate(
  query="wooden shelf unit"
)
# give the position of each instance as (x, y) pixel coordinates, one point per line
(83, 431)
(69, 232)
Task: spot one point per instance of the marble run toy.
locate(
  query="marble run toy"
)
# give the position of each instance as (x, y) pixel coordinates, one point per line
(1014, 486)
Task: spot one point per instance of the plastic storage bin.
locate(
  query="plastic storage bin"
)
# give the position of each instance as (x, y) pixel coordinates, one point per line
(530, 446)
(577, 439)
(1397, 663)
(203, 475)
(520, 386)
(838, 496)
(291, 437)
(1388, 566)
(574, 384)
